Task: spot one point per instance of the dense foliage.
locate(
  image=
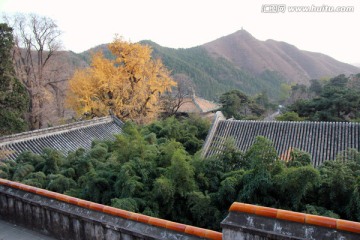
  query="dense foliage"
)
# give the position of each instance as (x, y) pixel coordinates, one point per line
(14, 99)
(337, 99)
(156, 170)
(289, 116)
(238, 105)
(129, 85)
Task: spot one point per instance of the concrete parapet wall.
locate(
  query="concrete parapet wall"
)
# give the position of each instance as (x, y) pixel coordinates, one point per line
(65, 217)
(250, 222)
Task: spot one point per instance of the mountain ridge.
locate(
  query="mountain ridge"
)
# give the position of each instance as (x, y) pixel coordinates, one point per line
(247, 52)
(240, 61)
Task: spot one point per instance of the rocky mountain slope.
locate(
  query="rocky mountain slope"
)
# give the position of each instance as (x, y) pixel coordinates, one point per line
(255, 56)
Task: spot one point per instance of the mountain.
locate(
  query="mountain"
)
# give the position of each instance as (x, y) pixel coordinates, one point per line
(214, 76)
(240, 61)
(211, 76)
(246, 52)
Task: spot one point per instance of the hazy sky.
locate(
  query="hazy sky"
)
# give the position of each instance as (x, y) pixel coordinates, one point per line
(188, 23)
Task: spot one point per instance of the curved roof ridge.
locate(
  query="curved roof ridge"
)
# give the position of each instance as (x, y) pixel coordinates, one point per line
(219, 117)
(279, 122)
(39, 133)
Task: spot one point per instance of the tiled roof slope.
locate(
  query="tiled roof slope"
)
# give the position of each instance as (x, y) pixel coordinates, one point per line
(64, 138)
(323, 140)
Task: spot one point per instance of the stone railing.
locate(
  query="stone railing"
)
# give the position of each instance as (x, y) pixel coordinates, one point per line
(65, 217)
(246, 221)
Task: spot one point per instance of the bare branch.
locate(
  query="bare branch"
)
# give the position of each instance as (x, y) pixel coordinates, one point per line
(36, 41)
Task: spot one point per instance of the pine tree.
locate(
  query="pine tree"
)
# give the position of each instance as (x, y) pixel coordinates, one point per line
(13, 96)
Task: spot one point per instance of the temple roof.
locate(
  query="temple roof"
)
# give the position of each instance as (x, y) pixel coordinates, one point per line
(322, 140)
(196, 104)
(63, 138)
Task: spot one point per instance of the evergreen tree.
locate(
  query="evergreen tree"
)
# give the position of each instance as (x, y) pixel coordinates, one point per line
(13, 97)
(238, 105)
(336, 100)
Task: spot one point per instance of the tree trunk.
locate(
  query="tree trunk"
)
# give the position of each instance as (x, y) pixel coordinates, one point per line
(34, 110)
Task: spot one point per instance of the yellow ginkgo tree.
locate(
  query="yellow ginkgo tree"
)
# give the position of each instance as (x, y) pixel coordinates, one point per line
(130, 85)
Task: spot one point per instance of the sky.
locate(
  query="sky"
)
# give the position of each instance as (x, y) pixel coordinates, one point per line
(189, 23)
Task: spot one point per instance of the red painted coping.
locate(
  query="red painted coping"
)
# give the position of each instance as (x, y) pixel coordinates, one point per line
(178, 227)
(328, 222)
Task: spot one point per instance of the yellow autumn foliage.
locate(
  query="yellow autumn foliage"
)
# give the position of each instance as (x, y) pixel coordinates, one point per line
(130, 85)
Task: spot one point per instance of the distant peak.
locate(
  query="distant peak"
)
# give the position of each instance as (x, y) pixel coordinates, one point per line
(242, 31)
(148, 42)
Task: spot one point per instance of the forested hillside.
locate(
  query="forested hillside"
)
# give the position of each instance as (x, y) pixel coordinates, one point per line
(242, 62)
(214, 76)
(211, 76)
(333, 100)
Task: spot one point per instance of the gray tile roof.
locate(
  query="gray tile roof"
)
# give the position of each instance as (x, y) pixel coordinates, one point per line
(64, 138)
(323, 140)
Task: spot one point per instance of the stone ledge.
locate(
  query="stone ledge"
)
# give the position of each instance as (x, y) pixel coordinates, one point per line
(246, 221)
(43, 206)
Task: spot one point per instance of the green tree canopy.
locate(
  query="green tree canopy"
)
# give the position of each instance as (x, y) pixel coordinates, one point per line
(238, 105)
(289, 116)
(335, 100)
(13, 96)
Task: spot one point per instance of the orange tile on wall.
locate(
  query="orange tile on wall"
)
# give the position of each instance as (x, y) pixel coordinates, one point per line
(157, 222)
(266, 211)
(243, 207)
(83, 203)
(176, 226)
(291, 216)
(96, 207)
(213, 235)
(143, 218)
(195, 231)
(348, 226)
(320, 221)
(4, 181)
